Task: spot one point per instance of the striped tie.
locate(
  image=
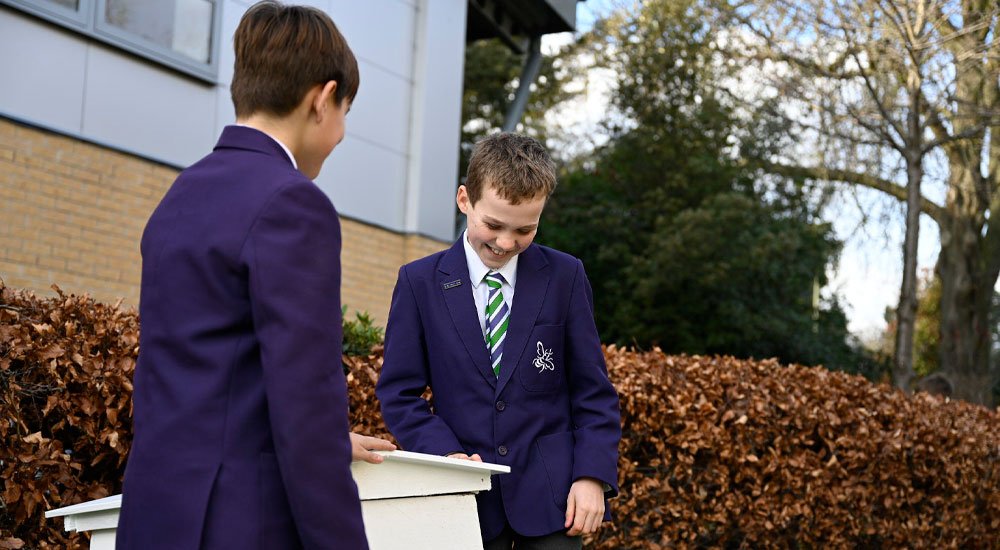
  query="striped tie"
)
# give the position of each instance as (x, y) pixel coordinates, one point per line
(497, 315)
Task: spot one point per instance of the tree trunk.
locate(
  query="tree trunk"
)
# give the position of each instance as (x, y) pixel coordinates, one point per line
(969, 261)
(906, 311)
(965, 297)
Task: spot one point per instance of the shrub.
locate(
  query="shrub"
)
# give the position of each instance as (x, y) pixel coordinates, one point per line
(719, 452)
(716, 452)
(361, 334)
(66, 367)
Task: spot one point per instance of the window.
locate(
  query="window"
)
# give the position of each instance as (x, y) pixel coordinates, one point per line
(182, 34)
(182, 26)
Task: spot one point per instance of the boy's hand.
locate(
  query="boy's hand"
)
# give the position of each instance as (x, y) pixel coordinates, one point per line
(363, 445)
(463, 456)
(584, 507)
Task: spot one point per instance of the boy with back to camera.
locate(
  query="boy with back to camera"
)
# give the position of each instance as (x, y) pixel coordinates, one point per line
(502, 331)
(240, 403)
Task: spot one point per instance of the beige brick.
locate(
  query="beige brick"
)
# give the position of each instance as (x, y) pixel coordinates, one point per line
(21, 257)
(74, 213)
(9, 271)
(50, 262)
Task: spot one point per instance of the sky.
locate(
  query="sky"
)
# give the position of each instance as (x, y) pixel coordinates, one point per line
(867, 276)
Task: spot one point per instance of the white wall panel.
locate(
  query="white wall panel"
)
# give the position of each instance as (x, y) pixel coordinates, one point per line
(225, 114)
(381, 111)
(397, 168)
(380, 32)
(42, 72)
(432, 173)
(146, 109)
(232, 11)
(366, 182)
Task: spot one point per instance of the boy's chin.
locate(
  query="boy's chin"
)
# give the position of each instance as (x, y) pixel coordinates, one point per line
(493, 262)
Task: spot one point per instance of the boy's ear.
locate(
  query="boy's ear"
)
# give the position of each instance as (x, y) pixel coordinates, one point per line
(462, 199)
(324, 99)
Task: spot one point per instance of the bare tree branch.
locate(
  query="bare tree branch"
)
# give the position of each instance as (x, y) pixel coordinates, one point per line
(927, 206)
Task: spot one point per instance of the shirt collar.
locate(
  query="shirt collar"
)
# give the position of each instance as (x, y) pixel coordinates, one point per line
(478, 270)
(284, 148)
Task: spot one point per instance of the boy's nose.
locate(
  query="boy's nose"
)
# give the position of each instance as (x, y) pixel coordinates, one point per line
(505, 243)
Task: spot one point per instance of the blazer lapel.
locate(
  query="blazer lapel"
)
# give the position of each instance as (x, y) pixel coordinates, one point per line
(532, 281)
(455, 285)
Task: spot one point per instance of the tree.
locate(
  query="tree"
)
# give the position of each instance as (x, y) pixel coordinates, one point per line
(736, 275)
(927, 337)
(910, 78)
(492, 70)
(686, 247)
(927, 328)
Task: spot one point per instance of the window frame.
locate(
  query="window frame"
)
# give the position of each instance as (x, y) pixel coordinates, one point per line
(88, 20)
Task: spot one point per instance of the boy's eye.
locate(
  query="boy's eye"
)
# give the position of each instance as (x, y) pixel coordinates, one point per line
(492, 226)
(525, 231)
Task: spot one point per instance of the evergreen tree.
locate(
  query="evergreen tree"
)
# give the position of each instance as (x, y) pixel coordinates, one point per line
(688, 245)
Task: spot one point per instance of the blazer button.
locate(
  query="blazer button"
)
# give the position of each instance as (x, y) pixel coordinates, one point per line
(502, 450)
(501, 405)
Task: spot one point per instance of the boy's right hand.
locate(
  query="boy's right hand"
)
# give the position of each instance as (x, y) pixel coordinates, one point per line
(463, 456)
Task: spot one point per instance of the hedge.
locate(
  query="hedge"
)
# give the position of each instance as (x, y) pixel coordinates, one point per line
(717, 452)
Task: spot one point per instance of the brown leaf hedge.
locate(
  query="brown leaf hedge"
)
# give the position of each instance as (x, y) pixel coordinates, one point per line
(717, 452)
(66, 368)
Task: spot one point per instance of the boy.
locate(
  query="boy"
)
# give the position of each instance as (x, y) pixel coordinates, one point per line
(502, 331)
(240, 405)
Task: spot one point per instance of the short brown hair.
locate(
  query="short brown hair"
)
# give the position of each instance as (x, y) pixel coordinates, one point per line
(281, 52)
(517, 167)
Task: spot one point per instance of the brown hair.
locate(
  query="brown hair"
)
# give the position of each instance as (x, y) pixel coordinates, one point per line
(517, 167)
(283, 51)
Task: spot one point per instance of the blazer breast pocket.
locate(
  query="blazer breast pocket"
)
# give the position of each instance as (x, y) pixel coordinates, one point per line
(543, 366)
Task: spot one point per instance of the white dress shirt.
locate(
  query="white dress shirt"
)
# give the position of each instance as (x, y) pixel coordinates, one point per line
(480, 290)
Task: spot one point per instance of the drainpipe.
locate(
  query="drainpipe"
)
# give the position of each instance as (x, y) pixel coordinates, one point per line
(528, 75)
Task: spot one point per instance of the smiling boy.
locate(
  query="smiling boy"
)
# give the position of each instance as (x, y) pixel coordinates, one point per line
(502, 331)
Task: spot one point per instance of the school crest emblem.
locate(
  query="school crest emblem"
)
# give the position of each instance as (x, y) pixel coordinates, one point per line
(543, 361)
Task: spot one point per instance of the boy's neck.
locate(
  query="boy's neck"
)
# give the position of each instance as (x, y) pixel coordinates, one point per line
(283, 130)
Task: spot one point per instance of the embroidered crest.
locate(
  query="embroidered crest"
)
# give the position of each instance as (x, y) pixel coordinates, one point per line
(543, 361)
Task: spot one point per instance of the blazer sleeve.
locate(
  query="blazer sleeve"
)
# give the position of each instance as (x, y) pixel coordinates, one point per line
(293, 257)
(405, 375)
(593, 399)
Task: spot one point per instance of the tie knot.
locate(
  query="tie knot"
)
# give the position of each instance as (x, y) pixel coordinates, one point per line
(494, 279)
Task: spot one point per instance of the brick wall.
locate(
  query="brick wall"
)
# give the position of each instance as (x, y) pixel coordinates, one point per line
(72, 214)
(371, 257)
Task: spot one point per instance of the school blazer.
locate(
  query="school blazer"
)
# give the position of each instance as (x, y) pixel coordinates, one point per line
(240, 403)
(552, 415)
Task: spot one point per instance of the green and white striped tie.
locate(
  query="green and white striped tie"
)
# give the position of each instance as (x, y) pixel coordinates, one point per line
(497, 315)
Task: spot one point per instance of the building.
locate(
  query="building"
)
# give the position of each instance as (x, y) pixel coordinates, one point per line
(103, 102)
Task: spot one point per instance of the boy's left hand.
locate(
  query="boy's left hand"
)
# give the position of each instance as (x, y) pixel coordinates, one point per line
(584, 507)
(363, 445)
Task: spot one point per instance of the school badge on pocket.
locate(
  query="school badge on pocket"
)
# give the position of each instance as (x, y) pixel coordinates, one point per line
(543, 361)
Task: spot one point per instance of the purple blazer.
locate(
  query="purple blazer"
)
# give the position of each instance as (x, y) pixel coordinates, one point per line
(553, 414)
(240, 403)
